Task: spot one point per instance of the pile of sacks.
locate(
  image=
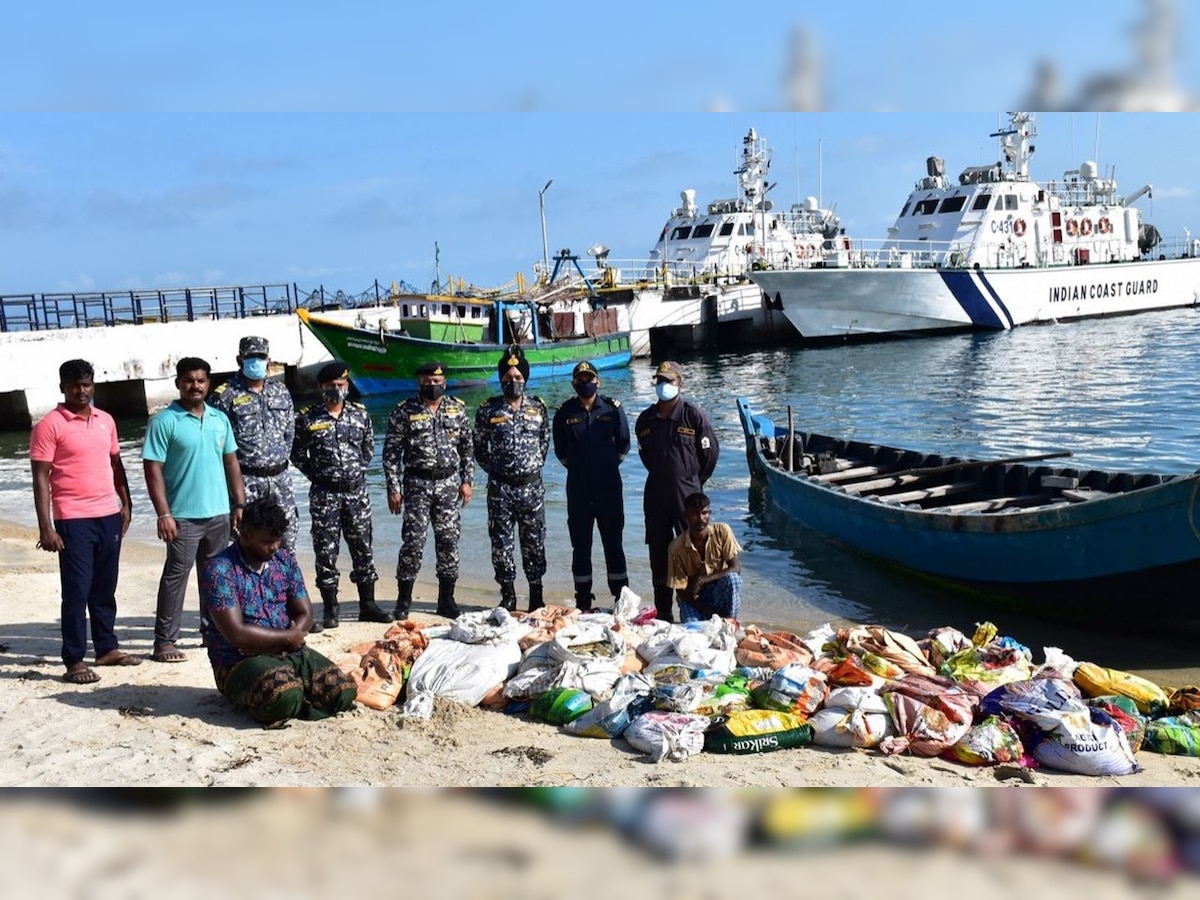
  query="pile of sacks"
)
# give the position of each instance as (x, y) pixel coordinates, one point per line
(672, 691)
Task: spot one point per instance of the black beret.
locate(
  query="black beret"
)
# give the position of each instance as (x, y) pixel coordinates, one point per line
(431, 368)
(513, 357)
(332, 371)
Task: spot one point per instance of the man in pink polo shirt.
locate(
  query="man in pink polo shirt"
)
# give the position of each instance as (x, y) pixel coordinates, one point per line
(83, 509)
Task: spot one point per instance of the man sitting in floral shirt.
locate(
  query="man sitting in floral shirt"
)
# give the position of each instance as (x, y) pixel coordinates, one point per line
(254, 594)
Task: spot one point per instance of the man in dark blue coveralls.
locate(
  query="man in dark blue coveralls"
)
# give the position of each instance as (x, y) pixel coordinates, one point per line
(591, 438)
(679, 449)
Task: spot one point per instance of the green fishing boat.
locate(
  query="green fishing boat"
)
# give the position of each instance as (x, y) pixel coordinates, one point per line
(384, 345)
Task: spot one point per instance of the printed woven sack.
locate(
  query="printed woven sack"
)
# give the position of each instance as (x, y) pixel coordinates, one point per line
(757, 731)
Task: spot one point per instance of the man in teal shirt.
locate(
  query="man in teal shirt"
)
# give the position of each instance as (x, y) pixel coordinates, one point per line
(192, 476)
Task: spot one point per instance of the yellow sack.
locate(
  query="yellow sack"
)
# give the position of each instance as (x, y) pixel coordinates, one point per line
(1096, 681)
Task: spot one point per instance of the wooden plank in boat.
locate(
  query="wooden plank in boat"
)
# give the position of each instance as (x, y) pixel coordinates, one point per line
(1060, 481)
(1078, 495)
(847, 474)
(881, 484)
(996, 503)
(942, 490)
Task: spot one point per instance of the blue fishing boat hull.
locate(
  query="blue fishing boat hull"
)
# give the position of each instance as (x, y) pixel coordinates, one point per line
(1132, 555)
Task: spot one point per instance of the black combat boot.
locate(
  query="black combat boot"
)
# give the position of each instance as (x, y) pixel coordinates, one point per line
(508, 595)
(368, 609)
(535, 596)
(329, 602)
(403, 600)
(664, 603)
(446, 605)
(583, 602)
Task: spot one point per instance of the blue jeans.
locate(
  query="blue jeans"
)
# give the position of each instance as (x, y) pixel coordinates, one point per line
(87, 568)
(723, 596)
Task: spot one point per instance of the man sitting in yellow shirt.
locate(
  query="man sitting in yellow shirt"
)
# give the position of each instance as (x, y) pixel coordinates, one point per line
(703, 566)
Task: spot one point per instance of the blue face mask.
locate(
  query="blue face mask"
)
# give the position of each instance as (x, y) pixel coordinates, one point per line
(254, 368)
(666, 391)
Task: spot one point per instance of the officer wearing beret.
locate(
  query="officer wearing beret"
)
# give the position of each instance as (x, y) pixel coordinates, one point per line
(679, 448)
(512, 435)
(333, 447)
(591, 438)
(264, 423)
(429, 470)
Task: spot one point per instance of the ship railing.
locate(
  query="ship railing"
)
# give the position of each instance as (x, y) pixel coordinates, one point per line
(90, 309)
(651, 273)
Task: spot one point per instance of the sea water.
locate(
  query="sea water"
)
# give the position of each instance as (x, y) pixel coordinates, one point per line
(1120, 394)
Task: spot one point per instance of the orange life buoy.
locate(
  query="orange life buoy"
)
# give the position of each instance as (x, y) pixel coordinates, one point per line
(1104, 226)
(748, 248)
(1072, 227)
(1085, 227)
(1018, 227)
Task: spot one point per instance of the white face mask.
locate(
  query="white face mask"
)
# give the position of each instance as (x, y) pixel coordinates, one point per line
(666, 391)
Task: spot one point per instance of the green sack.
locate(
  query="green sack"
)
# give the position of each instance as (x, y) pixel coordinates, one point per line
(1174, 735)
(757, 731)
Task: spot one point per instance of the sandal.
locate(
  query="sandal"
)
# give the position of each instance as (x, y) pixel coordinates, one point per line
(118, 658)
(168, 654)
(80, 674)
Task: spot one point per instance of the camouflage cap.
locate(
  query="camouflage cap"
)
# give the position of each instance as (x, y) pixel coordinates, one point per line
(252, 345)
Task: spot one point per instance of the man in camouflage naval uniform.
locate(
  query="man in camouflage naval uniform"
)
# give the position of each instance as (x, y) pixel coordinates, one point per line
(429, 471)
(512, 435)
(333, 446)
(264, 423)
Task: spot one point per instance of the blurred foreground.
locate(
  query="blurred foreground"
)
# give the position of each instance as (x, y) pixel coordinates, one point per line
(558, 842)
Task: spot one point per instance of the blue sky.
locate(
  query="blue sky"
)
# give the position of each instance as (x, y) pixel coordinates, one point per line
(153, 145)
(114, 201)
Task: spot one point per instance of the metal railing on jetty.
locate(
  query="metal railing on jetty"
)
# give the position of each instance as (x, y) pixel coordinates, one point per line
(43, 312)
(94, 309)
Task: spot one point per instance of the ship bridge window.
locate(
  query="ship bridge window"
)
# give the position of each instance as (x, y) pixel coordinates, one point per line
(904, 211)
(682, 233)
(462, 312)
(1010, 201)
(925, 207)
(424, 311)
(703, 231)
(726, 229)
(746, 228)
(475, 312)
(953, 204)
(445, 309)
(981, 202)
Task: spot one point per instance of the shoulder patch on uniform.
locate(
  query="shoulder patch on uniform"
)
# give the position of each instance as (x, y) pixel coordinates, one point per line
(705, 443)
(220, 389)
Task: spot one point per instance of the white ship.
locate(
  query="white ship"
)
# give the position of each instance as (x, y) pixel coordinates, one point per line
(993, 250)
(695, 288)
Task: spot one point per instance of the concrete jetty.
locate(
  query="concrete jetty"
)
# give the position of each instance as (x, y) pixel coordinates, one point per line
(134, 346)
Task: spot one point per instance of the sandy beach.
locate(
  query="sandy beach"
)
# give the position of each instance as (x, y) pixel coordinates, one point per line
(166, 725)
